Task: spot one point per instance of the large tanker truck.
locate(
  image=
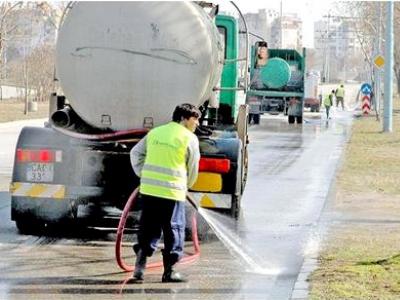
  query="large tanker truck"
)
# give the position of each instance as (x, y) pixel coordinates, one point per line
(277, 87)
(122, 68)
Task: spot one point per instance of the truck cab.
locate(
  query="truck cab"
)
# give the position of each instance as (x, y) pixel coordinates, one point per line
(226, 147)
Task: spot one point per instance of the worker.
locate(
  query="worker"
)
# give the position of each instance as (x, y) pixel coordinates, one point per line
(166, 161)
(340, 96)
(328, 102)
(262, 54)
(256, 82)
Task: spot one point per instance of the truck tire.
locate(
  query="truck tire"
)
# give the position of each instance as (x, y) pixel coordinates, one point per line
(256, 119)
(31, 227)
(291, 119)
(299, 120)
(203, 229)
(237, 195)
(236, 206)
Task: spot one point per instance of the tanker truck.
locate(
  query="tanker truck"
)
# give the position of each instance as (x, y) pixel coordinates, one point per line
(122, 68)
(277, 87)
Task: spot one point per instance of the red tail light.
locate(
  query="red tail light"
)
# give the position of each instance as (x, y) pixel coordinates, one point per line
(42, 155)
(217, 165)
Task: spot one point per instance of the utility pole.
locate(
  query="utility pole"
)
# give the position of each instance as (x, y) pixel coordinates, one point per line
(378, 72)
(327, 49)
(388, 106)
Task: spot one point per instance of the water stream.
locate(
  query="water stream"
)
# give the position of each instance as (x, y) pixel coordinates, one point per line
(224, 229)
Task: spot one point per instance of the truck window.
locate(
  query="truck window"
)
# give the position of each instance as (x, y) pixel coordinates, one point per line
(222, 34)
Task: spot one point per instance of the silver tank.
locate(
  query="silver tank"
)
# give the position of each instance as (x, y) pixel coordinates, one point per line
(123, 64)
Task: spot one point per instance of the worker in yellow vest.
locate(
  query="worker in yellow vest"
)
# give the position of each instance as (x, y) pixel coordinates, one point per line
(340, 96)
(328, 103)
(166, 161)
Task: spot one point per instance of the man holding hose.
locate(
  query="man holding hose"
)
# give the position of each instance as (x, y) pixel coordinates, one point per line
(166, 161)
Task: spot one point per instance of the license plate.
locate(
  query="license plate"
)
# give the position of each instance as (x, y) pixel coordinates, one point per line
(39, 172)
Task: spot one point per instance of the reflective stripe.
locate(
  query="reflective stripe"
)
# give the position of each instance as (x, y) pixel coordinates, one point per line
(163, 170)
(156, 182)
(36, 190)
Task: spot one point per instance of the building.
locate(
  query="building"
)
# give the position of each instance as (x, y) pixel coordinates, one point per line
(259, 26)
(336, 43)
(287, 32)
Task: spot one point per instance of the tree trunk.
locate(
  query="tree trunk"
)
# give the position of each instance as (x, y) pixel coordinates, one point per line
(398, 80)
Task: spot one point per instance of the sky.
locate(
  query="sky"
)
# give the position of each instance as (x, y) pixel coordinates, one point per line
(308, 10)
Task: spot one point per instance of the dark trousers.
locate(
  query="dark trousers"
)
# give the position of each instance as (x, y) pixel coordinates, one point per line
(340, 100)
(327, 109)
(165, 216)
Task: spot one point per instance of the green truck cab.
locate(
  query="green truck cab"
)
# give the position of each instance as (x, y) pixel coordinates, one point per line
(228, 124)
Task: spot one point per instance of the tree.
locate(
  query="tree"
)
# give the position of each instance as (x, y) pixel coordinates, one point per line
(6, 27)
(41, 71)
(367, 29)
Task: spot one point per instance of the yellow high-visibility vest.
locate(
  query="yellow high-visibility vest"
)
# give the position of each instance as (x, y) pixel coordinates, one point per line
(164, 172)
(327, 100)
(340, 92)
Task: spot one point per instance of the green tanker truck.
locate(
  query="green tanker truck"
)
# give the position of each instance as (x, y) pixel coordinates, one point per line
(277, 83)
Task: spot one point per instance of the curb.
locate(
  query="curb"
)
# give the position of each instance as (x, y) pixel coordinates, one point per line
(301, 287)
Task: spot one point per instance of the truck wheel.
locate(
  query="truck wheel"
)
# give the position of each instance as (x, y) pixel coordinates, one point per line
(250, 118)
(203, 228)
(30, 227)
(245, 168)
(256, 118)
(299, 120)
(236, 206)
(291, 119)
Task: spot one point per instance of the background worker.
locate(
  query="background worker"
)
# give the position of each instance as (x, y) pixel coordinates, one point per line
(262, 55)
(255, 81)
(166, 161)
(328, 103)
(340, 96)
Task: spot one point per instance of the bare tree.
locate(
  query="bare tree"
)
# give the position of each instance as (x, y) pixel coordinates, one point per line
(34, 26)
(41, 71)
(367, 28)
(6, 27)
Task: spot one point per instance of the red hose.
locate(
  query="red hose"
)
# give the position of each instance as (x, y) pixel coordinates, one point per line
(121, 227)
(129, 204)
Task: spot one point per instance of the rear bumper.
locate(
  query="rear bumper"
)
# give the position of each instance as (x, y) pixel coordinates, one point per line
(49, 202)
(212, 200)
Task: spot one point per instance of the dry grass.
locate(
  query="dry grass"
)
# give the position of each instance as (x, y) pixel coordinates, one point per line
(362, 260)
(11, 110)
(373, 160)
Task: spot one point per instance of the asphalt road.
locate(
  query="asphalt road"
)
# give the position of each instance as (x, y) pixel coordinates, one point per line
(290, 172)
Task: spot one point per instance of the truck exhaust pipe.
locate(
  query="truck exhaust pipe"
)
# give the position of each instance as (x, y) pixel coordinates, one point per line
(63, 118)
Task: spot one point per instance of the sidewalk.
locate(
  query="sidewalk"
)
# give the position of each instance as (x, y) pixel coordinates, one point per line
(360, 255)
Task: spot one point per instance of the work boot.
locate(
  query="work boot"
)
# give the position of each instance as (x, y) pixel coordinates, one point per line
(173, 276)
(140, 266)
(169, 274)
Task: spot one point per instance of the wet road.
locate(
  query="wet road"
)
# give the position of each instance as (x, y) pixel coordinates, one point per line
(291, 168)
